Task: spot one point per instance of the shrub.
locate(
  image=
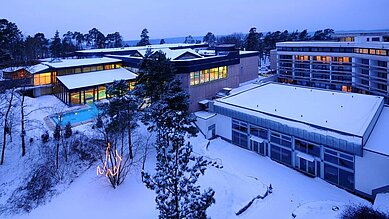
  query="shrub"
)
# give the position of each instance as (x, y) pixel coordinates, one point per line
(45, 137)
(68, 130)
(363, 212)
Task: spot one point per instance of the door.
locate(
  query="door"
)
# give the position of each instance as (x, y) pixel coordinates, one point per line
(258, 147)
(307, 166)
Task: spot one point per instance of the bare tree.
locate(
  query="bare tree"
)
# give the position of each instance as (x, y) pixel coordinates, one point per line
(9, 97)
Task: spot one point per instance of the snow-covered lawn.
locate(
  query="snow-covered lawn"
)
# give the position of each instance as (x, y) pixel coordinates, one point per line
(244, 176)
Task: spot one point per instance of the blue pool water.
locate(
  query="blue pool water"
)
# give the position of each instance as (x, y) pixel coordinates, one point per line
(78, 116)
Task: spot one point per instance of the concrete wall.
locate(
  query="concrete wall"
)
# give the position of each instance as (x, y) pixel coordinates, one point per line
(209, 90)
(273, 59)
(371, 172)
(39, 91)
(248, 69)
(223, 126)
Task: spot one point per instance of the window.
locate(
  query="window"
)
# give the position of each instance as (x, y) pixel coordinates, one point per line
(281, 155)
(239, 126)
(258, 132)
(42, 79)
(239, 139)
(340, 159)
(281, 139)
(99, 68)
(203, 76)
(308, 148)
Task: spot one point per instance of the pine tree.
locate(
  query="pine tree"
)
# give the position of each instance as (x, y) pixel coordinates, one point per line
(144, 38)
(155, 70)
(56, 46)
(252, 40)
(177, 169)
(210, 39)
(162, 41)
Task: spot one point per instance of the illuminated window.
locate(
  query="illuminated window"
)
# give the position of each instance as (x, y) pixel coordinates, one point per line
(100, 67)
(86, 69)
(93, 68)
(101, 94)
(77, 70)
(42, 79)
(118, 65)
(207, 75)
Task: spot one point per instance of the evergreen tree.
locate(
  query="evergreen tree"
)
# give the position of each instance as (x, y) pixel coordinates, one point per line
(122, 110)
(210, 39)
(155, 70)
(177, 169)
(144, 38)
(96, 38)
(235, 38)
(252, 40)
(303, 35)
(114, 40)
(56, 46)
(189, 40)
(67, 43)
(162, 41)
(11, 44)
(68, 130)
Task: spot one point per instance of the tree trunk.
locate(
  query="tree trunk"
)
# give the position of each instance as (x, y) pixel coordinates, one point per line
(5, 127)
(23, 128)
(57, 156)
(129, 134)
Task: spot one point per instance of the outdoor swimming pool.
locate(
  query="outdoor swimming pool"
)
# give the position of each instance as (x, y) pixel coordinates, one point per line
(76, 117)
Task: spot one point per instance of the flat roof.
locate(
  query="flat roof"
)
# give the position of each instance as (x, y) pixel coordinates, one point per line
(95, 78)
(158, 46)
(379, 137)
(65, 63)
(342, 112)
(375, 45)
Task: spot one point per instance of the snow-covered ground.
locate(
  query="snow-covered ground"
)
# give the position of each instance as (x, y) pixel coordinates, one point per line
(244, 175)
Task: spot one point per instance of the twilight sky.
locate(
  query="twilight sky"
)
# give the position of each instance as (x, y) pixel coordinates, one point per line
(170, 18)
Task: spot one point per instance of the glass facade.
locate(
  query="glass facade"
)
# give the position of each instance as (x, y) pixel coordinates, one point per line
(207, 75)
(315, 160)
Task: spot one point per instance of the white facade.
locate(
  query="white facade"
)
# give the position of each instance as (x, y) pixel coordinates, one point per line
(284, 122)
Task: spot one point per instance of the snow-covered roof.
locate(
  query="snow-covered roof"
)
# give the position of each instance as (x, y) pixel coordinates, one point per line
(376, 45)
(32, 69)
(379, 137)
(95, 78)
(342, 112)
(381, 202)
(12, 69)
(159, 46)
(37, 68)
(174, 54)
(64, 63)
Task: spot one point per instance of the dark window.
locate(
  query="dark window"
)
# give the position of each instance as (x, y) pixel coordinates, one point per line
(286, 156)
(275, 153)
(346, 179)
(331, 173)
(330, 158)
(239, 139)
(258, 132)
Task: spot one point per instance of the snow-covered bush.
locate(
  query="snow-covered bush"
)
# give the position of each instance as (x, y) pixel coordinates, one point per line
(362, 211)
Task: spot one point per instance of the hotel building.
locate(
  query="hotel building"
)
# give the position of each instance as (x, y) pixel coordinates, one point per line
(355, 63)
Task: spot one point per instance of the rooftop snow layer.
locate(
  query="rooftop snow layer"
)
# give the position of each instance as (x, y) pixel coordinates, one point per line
(337, 111)
(95, 78)
(160, 46)
(37, 68)
(379, 137)
(64, 63)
